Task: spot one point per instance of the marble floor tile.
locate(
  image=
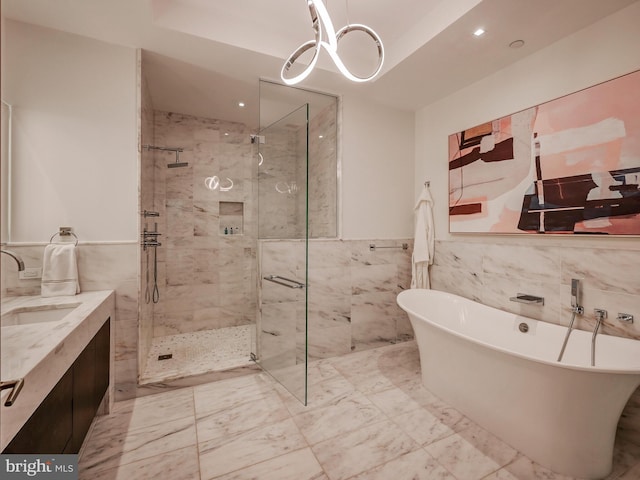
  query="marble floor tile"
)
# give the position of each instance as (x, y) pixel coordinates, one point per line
(357, 363)
(394, 402)
(632, 474)
(417, 465)
(523, 467)
(372, 382)
(417, 391)
(146, 411)
(369, 418)
(490, 445)
(241, 417)
(502, 474)
(319, 394)
(355, 452)
(217, 396)
(319, 371)
(227, 454)
(345, 413)
(626, 454)
(448, 415)
(115, 447)
(461, 458)
(298, 465)
(177, 465)
(423, 426)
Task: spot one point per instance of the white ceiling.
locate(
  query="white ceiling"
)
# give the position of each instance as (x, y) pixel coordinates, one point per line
(203, 56)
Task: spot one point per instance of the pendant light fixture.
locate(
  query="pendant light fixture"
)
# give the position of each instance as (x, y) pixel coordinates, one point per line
(326, 37)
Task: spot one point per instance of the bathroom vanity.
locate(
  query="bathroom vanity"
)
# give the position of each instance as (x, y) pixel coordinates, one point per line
(61, 347)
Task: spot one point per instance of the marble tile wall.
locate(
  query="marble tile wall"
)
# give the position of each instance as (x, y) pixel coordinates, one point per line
(281, 189)
(206, 278)
(100, 267)
(283, 178)
(351, 295)
(323, 157)
(491, 273)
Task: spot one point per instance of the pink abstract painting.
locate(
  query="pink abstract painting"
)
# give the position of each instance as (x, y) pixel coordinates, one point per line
(568, 166)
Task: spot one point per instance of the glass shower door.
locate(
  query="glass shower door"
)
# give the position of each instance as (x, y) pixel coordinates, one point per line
(283, 250)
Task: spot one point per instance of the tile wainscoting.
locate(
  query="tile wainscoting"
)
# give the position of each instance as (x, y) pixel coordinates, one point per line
(491, 273)
(351, 295)
(101, 266)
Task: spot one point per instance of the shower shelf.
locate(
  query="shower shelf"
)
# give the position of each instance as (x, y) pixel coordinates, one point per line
(231, 217)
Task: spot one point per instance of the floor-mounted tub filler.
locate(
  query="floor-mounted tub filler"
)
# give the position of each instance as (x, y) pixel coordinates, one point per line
(501, 370)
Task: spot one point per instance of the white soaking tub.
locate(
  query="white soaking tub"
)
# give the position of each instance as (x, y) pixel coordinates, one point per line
(561, 415)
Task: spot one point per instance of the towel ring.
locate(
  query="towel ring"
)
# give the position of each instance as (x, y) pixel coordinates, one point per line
(64, 232)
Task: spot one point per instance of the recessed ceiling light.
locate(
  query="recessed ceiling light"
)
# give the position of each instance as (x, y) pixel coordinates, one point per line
(226, 134)
(241, 104)
(320, 136)
(517, 44)
(479, 32)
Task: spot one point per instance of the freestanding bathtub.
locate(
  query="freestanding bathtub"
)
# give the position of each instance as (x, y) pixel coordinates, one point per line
(561, 415)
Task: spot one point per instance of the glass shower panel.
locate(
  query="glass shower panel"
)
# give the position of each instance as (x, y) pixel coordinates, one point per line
(283, 238)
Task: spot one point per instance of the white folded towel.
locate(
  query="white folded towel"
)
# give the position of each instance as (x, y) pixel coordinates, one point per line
(60, 270)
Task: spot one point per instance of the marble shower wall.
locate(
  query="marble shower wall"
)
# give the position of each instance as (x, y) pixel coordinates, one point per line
(206, 277)
(283, 177)
(352, 295)
(281, 188)
(323, 184)
(104, 266)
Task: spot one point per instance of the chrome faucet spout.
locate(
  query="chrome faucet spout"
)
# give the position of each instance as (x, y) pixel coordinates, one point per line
(16, 257)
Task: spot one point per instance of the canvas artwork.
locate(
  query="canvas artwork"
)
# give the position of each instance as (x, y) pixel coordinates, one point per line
(568, 166)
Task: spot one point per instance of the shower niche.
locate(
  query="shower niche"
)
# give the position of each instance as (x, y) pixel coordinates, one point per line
(231, 218)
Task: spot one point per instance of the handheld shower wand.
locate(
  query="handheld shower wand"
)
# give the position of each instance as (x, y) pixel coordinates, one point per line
(576, 309)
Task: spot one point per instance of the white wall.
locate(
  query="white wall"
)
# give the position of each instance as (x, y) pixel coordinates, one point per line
(595, 54)
(377, 171)
(74, 135)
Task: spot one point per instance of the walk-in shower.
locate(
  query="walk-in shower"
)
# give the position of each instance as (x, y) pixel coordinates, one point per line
(212, 218)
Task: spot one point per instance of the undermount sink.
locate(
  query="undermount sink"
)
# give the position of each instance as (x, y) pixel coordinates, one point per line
(41, 314)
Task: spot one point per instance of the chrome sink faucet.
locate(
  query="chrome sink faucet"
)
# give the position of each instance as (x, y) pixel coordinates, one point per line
(16, 257)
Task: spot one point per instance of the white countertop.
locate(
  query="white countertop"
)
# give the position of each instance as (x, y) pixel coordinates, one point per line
(42, 352)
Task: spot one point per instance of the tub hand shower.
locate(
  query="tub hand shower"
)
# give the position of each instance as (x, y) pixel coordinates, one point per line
(576, 309)
(600, 316)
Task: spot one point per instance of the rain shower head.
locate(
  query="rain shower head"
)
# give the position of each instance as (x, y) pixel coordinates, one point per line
(177, 163)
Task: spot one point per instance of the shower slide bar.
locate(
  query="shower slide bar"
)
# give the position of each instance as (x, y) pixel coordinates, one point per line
(281, 281)
(373, 247)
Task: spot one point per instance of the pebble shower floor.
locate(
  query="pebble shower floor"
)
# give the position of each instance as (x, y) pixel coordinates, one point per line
(198, 352)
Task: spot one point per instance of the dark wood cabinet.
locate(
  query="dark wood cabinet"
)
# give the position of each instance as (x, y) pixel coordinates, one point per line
(62, 420)
(50, 427)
